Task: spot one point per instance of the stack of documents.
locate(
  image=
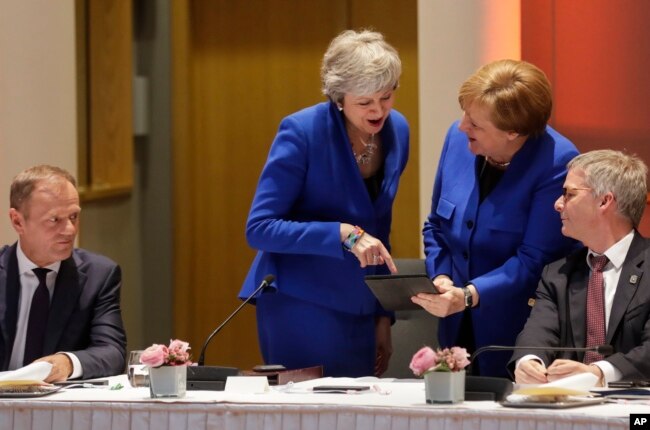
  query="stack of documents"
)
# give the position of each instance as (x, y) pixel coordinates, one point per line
(27, 381)
(569, 392)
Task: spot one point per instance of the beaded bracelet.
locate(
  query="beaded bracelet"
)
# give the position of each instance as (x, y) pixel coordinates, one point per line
(353, 238)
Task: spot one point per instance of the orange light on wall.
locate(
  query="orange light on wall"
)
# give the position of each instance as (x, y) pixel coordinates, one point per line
(594, 52)
(501, 29)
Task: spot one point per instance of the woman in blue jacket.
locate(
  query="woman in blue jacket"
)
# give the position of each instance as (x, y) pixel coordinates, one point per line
(492, 225)
(322, 213)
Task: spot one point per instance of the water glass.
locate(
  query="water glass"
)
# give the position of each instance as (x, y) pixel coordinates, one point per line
(138, 373)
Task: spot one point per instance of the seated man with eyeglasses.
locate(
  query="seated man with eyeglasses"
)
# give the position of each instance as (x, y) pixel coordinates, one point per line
(599, 294)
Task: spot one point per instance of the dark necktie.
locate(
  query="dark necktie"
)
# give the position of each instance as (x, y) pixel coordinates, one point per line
(37, 322)
(595, 308)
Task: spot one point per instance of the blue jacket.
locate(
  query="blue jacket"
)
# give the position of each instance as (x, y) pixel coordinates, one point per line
(501, 244)
(310, 185)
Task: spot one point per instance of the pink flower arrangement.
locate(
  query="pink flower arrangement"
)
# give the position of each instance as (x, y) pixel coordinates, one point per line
(452, 359)
(176, 354)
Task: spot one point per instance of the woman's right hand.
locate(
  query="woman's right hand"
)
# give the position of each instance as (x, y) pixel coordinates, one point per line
(370, 251)
(450, 299)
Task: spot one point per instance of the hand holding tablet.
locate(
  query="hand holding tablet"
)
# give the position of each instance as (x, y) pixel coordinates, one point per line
(394, 292)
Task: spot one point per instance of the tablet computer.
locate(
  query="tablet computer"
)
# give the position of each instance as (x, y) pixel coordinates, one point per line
(394, 292)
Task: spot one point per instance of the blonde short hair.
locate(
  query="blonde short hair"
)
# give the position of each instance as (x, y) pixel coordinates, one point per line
(621, 174)
(359, 63)
(517, 94)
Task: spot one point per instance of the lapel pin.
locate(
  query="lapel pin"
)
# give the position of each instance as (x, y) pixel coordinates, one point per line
(633, 279)
(531, 302)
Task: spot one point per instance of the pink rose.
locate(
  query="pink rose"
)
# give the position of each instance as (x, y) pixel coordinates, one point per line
(154, 356)
(178, 345)
(178, 353)
(460, 357)
(423, 360)
(451, 362)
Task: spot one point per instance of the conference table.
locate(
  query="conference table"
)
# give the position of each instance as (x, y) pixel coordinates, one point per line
(389, 404)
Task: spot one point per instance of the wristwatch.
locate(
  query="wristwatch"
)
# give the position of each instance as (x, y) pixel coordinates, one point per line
(468, 297)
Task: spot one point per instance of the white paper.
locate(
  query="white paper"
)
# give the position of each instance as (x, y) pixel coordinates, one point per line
(247, 384)
(581, 381)
(579, 385)
(33, 372)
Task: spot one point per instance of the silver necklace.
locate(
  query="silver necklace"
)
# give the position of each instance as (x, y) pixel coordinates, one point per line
(369, 148)
(496, 163)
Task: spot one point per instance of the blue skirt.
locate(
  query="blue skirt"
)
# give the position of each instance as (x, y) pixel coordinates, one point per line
(297, 334)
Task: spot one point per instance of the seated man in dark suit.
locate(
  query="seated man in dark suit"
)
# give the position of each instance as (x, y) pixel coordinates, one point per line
(57, 304)
(598, 295)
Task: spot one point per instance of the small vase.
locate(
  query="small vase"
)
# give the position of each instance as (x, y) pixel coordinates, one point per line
(167, 381)
(445, 387)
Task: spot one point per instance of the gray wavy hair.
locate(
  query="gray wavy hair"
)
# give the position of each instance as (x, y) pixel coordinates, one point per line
(624, 175)
(360, 63)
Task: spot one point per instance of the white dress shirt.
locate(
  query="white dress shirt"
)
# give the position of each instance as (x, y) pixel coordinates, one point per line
(28, 285)
(611, 274)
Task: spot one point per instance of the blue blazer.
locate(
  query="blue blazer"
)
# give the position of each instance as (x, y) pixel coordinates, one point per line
(85, 317)
(501, 244)
(310, 185)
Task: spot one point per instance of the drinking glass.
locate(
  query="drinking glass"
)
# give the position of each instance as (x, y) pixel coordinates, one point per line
(138, 373)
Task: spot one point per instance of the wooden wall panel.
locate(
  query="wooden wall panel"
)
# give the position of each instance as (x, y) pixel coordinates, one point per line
(239, 68)
(106, 163)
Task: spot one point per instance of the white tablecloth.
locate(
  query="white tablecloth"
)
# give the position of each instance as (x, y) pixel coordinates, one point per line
(400, 407)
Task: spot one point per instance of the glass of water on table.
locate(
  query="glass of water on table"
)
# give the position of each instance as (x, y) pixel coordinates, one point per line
(138, 373)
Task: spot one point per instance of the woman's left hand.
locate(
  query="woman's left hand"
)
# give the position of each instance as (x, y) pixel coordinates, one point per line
(384, 345)
(450, 300)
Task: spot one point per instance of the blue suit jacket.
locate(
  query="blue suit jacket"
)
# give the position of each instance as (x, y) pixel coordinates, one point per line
(501, 244)
(85, 316)
(310, 184)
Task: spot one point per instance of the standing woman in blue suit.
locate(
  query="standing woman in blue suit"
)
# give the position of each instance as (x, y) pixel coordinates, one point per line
(322, 214)
(492, 226)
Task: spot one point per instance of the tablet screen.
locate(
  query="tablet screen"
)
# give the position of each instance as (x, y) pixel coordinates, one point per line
(394, 292)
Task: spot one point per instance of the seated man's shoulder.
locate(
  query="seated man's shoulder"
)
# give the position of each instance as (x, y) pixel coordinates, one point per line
(7, 252)
(646, 242)
(568, 262)
(85, 258)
